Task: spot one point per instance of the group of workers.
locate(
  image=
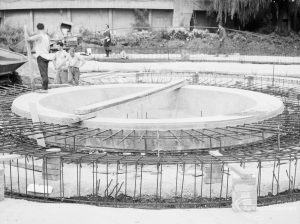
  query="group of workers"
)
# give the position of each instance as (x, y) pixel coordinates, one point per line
(67, 64)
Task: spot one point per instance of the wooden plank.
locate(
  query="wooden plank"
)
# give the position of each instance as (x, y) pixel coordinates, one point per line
(29, 57)
(39, 188)
(125, 99)
(35, 119)
(7, 158)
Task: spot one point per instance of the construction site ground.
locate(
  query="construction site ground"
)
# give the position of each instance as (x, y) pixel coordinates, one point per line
(64, 213)
(233, 64)
(21, 211)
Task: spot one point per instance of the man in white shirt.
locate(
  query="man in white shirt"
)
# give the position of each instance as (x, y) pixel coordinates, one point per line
(59, 63)
(42, 47)
(74, 63)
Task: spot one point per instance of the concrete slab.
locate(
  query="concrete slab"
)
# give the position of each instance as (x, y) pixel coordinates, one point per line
(39, 189)
(35, 119)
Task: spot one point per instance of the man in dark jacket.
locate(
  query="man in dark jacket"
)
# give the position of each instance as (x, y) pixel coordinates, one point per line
(222, 38)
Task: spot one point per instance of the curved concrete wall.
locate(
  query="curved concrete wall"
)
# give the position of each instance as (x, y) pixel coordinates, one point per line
(176, 110)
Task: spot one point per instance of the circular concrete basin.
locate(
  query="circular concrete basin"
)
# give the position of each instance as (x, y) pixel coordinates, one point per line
(190, 107)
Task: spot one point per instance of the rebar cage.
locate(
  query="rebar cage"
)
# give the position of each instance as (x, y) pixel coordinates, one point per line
(123, 177)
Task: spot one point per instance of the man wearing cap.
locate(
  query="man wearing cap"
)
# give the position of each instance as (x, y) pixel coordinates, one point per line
(60, 66)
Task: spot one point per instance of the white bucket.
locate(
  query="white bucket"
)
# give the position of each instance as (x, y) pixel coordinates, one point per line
(89, 51)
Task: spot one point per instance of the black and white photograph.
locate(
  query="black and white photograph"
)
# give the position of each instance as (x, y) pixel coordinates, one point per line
(149, 111)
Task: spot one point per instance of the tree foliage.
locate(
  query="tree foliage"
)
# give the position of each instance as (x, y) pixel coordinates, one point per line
(246, 10)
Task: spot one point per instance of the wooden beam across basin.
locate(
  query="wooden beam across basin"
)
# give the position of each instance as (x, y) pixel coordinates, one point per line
(7, 158)
(92, 108)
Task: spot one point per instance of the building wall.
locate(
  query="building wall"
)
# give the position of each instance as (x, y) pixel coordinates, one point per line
(117, 4)
(161, 18)
(122, 18)
(50, 18)
(91, 19)
(94, 14)
(94, 20)
(17, 18)
(183, 11)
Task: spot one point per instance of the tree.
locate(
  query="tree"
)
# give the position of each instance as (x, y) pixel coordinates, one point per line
(243, 9)
(286, 12)
(246, 10)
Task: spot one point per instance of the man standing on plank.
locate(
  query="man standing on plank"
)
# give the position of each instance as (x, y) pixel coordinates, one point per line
(42, 46)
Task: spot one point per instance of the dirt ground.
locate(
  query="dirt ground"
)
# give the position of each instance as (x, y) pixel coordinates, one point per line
(176, 40)
(242, 43)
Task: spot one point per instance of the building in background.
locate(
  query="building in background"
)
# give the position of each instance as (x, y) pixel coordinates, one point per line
(94, 14)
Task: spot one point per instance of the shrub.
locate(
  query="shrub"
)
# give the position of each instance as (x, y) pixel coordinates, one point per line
(131, 39)
(85, 32)
(163, 34)
(178, 33)
(237, 37)
(199, 34)
(90, 37)
(10, 36)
